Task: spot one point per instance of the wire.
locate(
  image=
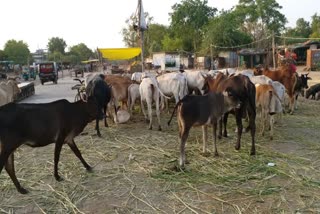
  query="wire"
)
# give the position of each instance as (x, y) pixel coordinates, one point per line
(286, 37)
(238, 46)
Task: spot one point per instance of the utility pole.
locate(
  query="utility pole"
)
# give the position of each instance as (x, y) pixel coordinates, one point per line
(142, 26)
(273, 51)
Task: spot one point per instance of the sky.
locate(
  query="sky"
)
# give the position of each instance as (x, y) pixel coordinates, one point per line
(98, 23)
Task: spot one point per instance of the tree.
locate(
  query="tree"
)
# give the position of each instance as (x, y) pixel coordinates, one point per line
(224, 31)
(154, 37)
(188, 20)
(260, 17)
(3, 56)
(302, 30)
(56, 44)
(172, 44)
(315, 26)
(17, 51)
(79, 53)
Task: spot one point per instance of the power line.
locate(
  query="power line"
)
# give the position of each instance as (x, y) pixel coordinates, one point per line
(287, 37)
(243, 45)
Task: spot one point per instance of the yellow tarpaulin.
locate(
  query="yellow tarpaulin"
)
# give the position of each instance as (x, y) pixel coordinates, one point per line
(119, 53)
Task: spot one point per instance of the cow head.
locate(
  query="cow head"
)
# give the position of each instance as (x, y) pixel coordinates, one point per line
(231, 100)
(304, 80)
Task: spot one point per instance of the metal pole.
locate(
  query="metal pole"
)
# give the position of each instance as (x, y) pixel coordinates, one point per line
(273, 50)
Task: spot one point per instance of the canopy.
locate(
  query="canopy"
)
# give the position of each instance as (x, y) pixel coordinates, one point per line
(89, 61)
(119, 53)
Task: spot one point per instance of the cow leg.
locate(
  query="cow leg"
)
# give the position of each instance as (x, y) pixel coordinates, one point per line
(97, 127)
(77, 152)
(214, 135)
(158, 112)
(105, 115)
(184, 137)
(239, 126)
(225, 120)
(252, 123)
(271, 126)
(10, 170)
(204, 139)
(57, 151)
(143, 111)
(149, 106)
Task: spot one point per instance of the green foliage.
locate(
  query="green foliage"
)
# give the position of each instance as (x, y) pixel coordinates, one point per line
(260, 17)
(17, 51)
(302, 30)
(3, 56)
(82, 51)
(315, 26)
(56, 44)
(154, 36)
(224, 31)
(172, 44)
(188, 20)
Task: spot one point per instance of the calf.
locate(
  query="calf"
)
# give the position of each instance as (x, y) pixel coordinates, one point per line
(100, 90)
(268, 101)
(302, 83)
(38, 125)
(312, 91)
(202, 111)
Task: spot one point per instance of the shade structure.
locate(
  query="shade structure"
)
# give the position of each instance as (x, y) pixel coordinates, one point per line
(89, 61)
(119, 53)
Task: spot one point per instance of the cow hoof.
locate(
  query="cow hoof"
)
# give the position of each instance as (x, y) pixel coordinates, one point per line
(58, 178)
(178, 168)
(150, 128)
(23, 190)
(253, 153)
(99, 134)
(271, 138)
(219, 137)
(237, 147)
(216, 154)
(205, 154)
(89, 169)
(159, 129)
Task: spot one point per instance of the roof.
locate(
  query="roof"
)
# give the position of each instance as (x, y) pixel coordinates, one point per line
(119, 53)
(252, 51)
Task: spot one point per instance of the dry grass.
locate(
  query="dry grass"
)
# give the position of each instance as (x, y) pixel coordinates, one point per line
(133, 172)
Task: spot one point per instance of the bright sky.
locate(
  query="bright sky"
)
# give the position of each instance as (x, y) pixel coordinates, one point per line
(98, 23)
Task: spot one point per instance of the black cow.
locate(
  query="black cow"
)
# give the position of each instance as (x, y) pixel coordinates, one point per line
(202, 111)
(312, 91)
(302, 83)
(101, 91)
(38, 125)
(245, 91)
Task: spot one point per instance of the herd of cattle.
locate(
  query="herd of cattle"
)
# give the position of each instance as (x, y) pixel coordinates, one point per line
(202, 98)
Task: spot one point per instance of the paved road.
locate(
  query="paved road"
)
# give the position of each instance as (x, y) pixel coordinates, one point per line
(50, 92)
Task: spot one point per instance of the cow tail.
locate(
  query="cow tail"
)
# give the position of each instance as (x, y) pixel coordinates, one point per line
(180, 101)
(270, 97)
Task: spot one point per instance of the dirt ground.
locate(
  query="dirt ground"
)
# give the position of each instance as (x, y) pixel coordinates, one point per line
(133, 171)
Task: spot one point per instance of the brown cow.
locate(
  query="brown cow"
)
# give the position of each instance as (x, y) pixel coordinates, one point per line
(269, 103)
(246, 92)
(285, 75)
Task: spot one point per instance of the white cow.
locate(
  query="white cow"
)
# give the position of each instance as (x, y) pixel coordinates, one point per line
(133, 94)
(195, 79)
(149, 92)
(173, 84)
(262, 79)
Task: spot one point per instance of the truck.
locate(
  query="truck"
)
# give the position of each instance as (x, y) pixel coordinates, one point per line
(48, 71)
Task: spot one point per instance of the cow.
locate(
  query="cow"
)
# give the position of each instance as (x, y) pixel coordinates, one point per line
(101, 91)
(246, 92)
(9, 91)
(261, 79)
(38, 125)
(286, 75)
(172, 84)
(195, 80)
(133, 94)
(312, 91)
(119, 86)
(301, 85)
(149, 91)
(205, 110)
(269, 103)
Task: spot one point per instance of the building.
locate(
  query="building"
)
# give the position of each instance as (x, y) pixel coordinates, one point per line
(40, 55)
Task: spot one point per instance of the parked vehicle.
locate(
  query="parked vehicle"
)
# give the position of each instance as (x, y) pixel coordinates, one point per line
(28, 72)
(48, 71)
